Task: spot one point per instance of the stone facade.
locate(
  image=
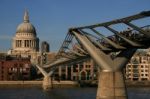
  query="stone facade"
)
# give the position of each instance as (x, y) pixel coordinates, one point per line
(15, 68)
(138, 69)
(81, 71)
(25, 42)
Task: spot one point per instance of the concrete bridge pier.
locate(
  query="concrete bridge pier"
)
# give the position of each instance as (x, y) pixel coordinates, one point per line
(111, 83)
(47, 80)
(47, 83)
(111, 86)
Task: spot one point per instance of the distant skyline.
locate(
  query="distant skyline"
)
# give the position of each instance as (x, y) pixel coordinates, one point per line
(53, 18)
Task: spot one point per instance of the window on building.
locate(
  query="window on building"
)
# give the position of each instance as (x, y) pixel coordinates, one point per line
(134, 61)
(142, 70)
(144, 79)
(63, 70)
(146, 66)
(81, 67)
(142, 66)
(129, 66)
(135, 71)
(135, 75)
(135, 66)
(146, 70)
(74, 68)
(135, 79)
(129, 70)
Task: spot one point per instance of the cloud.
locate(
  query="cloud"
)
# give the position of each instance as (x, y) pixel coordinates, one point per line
(5, 37)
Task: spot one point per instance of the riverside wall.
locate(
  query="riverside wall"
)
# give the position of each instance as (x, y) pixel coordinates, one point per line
(68, 83)
(38, 83)
(137, 83)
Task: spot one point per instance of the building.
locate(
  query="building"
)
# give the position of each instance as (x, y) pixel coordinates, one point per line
(44, 47)
(25, 42)
(85, 70)
(138, 69)
(15, 68)
(46, 57)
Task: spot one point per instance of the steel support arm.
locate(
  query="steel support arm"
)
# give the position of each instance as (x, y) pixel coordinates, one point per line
(108, 40)
(95, 42)
(98, 44)
(123, 57)
(123, 37)
(99, 57)
(42, 70)
(79, 48)
(138, 29)
(76, 53)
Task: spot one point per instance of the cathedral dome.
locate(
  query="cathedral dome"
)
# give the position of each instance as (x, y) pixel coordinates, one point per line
(26, 26)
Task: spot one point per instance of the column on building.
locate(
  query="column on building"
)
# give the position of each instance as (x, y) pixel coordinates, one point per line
(78, 71)
(23, 43)
(71, 72)
(66, 71)
(59, 72)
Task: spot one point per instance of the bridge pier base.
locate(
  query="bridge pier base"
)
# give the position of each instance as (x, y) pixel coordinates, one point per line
(47, 83)
(111, 85)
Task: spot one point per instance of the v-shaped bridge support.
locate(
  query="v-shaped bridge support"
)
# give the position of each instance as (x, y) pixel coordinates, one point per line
(111, 81)
(47, 80)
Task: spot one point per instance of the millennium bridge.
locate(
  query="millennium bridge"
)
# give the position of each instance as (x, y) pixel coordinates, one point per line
(110, 53)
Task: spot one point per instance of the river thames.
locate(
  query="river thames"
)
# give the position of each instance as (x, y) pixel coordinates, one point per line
(65, 93)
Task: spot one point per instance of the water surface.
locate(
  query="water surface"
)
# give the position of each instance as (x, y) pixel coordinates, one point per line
(64, 93)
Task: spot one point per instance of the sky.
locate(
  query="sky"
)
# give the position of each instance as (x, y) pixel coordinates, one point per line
(53, 18)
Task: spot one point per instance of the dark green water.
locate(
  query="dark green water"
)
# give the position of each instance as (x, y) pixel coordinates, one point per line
(65, 93)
